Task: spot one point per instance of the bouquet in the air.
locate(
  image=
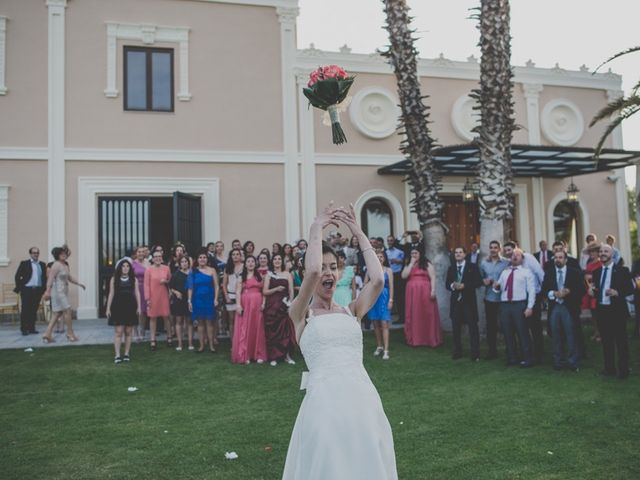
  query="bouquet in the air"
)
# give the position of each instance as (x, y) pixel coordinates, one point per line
(327, 88)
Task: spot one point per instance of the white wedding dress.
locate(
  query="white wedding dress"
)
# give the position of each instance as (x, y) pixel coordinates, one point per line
(341, 432)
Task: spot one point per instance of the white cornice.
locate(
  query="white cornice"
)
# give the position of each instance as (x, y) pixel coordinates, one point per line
(149, 155)
(309, 59)
(259, 3)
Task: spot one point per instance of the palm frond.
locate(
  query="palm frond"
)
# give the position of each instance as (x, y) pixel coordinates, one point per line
(617, 55)
(617, 105)
(626, 113)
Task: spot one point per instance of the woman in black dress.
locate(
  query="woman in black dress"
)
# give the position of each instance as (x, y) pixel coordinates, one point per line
(123, 307)
(179, 306)
(279, 331)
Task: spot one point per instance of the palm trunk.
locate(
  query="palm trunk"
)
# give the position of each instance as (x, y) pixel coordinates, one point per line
(423, 177)
(495, 177)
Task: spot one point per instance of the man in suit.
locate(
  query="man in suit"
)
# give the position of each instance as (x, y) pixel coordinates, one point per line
(544, 254)
(31, 282)
(563, 287)
(463, 278)
(474, 255)
(611, 284)
(559, 246)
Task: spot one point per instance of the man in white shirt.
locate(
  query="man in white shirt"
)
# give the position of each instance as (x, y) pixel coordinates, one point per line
(518, 297)
(534, 322)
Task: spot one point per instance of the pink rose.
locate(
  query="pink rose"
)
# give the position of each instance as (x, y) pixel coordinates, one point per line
(334, 71)
(315, 76)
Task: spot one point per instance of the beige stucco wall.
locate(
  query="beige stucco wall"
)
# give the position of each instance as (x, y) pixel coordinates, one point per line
(27, 223)
(234, 78)
(23, 117)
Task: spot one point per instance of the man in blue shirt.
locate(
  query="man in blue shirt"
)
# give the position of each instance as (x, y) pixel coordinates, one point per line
(490, 270)
(396, 261)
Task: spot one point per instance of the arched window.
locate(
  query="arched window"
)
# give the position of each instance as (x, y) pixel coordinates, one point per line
(376, 218)
(567, 225)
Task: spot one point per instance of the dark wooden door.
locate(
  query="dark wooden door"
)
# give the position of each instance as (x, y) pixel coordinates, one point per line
(463, 221)
(187, 221)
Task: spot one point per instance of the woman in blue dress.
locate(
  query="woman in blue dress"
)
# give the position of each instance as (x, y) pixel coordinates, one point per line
(202, 287)
(380, 313)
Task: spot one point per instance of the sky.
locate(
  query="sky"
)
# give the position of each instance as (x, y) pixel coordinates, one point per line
(568, 32)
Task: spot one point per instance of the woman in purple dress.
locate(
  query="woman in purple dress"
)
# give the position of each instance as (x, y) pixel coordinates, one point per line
(278, 292)
(140, 264)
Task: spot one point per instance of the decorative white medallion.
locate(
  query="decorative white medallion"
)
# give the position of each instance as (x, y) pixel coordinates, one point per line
(374, 112)
(463, 118)
(562, 122)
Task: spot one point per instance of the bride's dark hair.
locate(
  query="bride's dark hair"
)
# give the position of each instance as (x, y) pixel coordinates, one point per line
(325, 249)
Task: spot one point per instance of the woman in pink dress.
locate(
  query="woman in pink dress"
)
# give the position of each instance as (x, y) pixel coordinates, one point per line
(156, 293)
(249, 342)
(589, 302)
(422, 319)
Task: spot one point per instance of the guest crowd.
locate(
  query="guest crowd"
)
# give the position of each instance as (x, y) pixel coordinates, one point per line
(246, 294)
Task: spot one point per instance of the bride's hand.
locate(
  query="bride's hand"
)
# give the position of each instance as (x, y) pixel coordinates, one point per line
(348, 217)
(327, 217)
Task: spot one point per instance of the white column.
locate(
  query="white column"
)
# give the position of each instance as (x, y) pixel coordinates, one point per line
(532, 96)
(56, 167)
(112, 43)
(4, 225)
(307, 155)
(3, 54)
(622, 210)
(287, 17)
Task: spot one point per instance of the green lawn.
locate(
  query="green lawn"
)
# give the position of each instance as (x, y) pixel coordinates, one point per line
(66, 413)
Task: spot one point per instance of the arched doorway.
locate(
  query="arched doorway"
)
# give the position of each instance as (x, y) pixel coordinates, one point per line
(376, 218)
(567, 225)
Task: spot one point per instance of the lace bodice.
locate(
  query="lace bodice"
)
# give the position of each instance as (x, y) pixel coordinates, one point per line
(332, 342)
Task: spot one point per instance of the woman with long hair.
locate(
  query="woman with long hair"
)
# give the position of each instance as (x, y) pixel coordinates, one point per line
(123, 307)
(263, 262)
(589, 302)
(248, 337)
(352, 252)
(346, 287)
(341, 429)
(179, 304)
(232, 273)
(287, 256)
(248, 248)
(58, 291)
(422, 318)
(202, 287)
(297, 273)
(156, 293)
(219, 262)
(380, 313)
(278, 292)
(139, 265)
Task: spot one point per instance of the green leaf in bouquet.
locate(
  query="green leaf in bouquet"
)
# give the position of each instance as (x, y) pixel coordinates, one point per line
(313, 98)
(328, 90)
(343, 88)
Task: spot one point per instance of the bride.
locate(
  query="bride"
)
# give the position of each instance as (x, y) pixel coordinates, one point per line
(341, 431)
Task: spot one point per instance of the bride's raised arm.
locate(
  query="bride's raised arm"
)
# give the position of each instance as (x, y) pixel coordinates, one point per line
(312, 268)
(372, 289)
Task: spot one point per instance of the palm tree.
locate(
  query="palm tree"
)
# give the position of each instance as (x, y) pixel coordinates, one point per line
(622, 108)
(494, 98)
(423, 178)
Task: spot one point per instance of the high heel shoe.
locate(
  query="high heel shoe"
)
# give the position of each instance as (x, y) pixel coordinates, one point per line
(72, 338)
(46, 339)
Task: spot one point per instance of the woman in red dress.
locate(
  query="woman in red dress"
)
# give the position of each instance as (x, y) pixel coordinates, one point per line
(248, 336)
(588, 302)
(278, 289)
(422, 319)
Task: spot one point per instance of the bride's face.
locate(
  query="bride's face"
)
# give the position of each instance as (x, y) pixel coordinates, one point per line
(330, 276)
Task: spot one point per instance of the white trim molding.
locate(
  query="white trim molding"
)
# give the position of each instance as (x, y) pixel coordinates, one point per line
(153, 155)
(258, 3)
(287, 18)
(3, 55)
(391, 200)
(148, 35)
(584, 218)
(4, 225)
(308, 193)
(532, 93)
(463, 118)
(89, 188)
(562, 122)
(56, 191)
(374, 112)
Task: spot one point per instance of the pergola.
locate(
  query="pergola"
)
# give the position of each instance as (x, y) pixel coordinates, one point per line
(526, 160)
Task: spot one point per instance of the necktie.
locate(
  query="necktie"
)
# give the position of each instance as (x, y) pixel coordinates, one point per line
(509, 286)
(543, 256)
(459, 277)
(602, 283)
(560, 284)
